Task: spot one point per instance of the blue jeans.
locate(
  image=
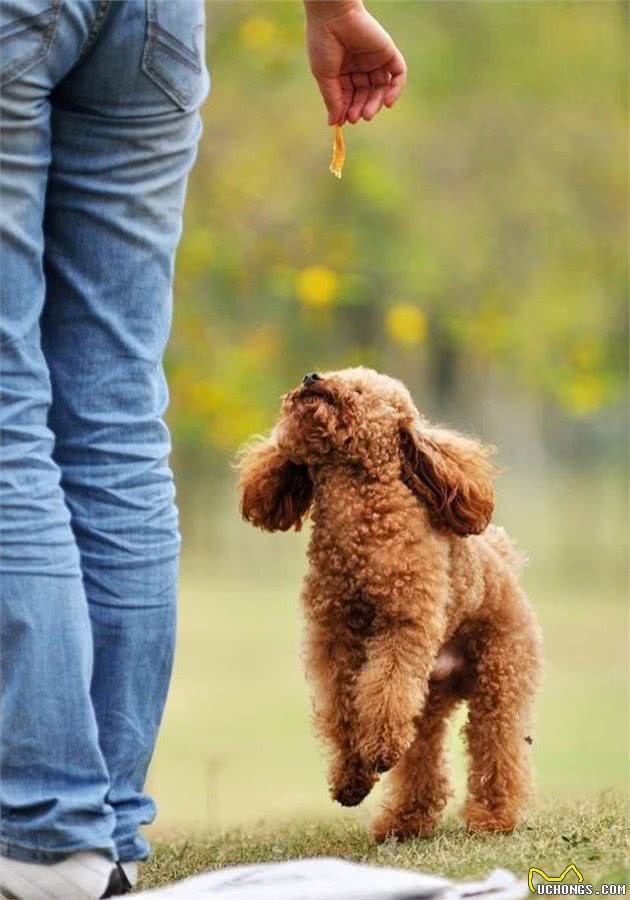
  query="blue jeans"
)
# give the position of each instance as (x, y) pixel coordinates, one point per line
(99, 128)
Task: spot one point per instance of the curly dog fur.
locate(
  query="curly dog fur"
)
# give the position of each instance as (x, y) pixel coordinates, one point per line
(412, 601)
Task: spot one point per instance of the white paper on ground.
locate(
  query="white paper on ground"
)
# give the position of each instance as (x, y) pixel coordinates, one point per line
(334, 879)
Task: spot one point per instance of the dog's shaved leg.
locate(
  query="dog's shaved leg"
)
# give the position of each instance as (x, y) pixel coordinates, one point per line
(498, 728)
(418, 788)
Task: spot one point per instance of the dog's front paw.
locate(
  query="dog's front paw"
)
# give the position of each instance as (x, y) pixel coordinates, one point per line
(351, 794)
(386, 760)
(350, 783)
(382, 749)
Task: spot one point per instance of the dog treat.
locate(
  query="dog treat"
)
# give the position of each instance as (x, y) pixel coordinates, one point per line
(339, 153)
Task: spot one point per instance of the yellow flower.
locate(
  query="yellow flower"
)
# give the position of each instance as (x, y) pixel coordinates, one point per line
(406, 324)
(257, 32)
(317, 286)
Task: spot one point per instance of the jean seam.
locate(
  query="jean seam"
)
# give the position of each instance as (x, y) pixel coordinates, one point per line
(157, 34)
(167, 85)
(160, 39)
(101, 12)
(18, 26)
(25, 62)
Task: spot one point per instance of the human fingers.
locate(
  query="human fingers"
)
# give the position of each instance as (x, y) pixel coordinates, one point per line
(332, 95)
(361, 84)
(374, 103)
(398, 71)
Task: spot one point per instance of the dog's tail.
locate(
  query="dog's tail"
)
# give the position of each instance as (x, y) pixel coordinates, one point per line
(502, 543)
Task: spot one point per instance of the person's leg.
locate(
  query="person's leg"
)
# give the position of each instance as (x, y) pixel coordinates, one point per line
(53, 777)
(125, 127)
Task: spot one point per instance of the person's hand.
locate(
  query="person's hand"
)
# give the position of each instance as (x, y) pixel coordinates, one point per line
(356, 64)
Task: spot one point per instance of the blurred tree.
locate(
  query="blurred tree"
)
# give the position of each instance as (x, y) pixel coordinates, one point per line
(479, 229)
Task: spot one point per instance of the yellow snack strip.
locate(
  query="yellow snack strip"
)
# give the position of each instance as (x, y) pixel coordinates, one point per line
(339, 153)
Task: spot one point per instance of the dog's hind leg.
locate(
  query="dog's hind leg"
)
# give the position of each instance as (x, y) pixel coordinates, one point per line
(418, 787)
(498, 727)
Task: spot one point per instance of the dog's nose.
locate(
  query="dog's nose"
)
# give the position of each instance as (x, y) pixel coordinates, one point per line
(311, 378)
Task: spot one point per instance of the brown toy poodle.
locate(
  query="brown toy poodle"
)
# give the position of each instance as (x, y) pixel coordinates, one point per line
(412, 600)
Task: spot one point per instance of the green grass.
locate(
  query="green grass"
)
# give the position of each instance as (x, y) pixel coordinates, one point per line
(590, 834)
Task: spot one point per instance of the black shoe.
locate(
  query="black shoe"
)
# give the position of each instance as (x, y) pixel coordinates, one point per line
(118, 883)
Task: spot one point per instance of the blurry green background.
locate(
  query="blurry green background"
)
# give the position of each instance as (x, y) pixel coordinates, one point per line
(476, 246)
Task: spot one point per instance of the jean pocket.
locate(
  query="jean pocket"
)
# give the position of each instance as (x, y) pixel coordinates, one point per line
(173, 54)
(26, 33)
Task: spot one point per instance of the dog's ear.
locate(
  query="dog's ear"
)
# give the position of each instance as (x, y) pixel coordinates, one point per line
(452, 474)
(275, 492)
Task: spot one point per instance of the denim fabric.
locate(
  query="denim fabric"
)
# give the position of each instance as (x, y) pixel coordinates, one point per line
(99, 128)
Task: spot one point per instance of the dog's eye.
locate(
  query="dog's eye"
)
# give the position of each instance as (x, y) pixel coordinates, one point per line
(357, 390)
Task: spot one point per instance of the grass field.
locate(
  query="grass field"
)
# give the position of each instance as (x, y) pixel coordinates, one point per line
(236, 748)
(592, 835)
